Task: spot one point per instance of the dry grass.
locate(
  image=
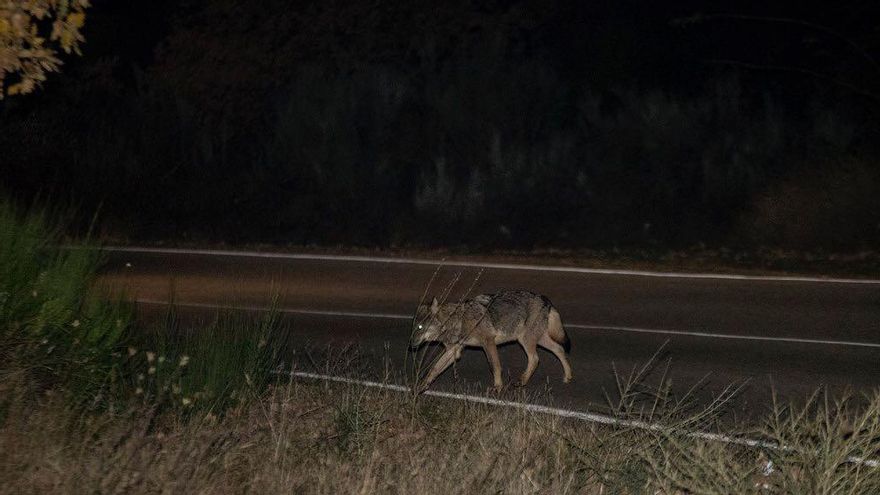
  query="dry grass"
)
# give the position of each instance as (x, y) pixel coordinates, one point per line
(303, 437)
(315, 437)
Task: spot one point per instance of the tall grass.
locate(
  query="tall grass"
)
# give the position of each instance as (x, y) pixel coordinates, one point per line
(209, 365)
(60, 334)
(55, 330)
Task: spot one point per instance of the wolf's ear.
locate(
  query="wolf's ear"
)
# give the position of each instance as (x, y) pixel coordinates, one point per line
(435, 306)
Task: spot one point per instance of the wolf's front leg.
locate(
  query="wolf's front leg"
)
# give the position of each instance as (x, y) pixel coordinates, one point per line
(447, 358)
(492, 353)
(457, 357)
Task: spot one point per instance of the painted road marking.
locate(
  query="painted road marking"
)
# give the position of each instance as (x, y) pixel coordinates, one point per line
(565, 413)
(713, 335)
(500, 266)
(392, 316)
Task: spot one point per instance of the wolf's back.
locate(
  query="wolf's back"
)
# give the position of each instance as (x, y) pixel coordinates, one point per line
(508, 309)
(511, 308)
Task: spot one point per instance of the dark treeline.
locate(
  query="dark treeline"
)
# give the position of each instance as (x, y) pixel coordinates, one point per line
(511, 124)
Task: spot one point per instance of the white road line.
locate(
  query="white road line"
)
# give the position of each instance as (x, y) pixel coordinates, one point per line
(352, 314)
(500, 266)
(724, 335)
(391, 316)
(565, 413)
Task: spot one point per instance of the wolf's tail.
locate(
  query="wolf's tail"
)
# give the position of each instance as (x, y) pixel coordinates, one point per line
(555, 330)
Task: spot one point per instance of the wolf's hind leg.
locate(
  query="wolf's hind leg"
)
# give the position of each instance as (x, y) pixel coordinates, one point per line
(548, 343)
(531, 349)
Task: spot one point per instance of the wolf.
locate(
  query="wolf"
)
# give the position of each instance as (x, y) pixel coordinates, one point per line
(488, 320)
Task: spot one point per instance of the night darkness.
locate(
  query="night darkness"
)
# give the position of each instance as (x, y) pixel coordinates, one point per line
(440, 246)
(480, 124)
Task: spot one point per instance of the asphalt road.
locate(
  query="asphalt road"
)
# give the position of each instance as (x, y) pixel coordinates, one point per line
(787, 335)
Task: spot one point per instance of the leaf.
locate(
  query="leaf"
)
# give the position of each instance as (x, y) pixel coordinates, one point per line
(76, 20)
(27, 50)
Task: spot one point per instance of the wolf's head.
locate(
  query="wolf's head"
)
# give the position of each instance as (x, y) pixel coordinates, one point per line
(428, 323)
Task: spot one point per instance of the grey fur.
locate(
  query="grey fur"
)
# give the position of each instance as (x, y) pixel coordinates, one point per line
(488, 320)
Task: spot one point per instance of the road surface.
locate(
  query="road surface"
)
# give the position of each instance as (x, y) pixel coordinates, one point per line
(788, 334)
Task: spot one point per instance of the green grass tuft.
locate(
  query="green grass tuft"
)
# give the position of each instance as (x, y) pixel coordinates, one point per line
(55, 330)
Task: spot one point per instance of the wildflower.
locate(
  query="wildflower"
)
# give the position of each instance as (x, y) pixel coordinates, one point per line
(152, 370)
(139, 391)
(184, 360)
(175, 389)
(151, 356)
(140, 377)
(128, 265)
(161, 359)
(185, 401)
(132, 351)
(118, 323)
(44, 341)
(75, 323)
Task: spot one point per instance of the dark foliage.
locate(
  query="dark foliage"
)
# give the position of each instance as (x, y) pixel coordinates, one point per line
(479, 123)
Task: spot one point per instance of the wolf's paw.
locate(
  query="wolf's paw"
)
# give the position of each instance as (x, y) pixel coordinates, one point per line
(567, 379)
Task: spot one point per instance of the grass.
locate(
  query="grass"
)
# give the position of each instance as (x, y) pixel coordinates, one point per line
(209, 365)
(90, 402)
(60, 336)
(54, 331)
(314, 437)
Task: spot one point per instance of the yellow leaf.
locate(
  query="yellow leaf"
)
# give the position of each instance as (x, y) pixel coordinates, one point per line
(77, 19)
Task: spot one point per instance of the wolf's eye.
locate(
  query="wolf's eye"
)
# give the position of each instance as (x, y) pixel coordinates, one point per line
(420, 327)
